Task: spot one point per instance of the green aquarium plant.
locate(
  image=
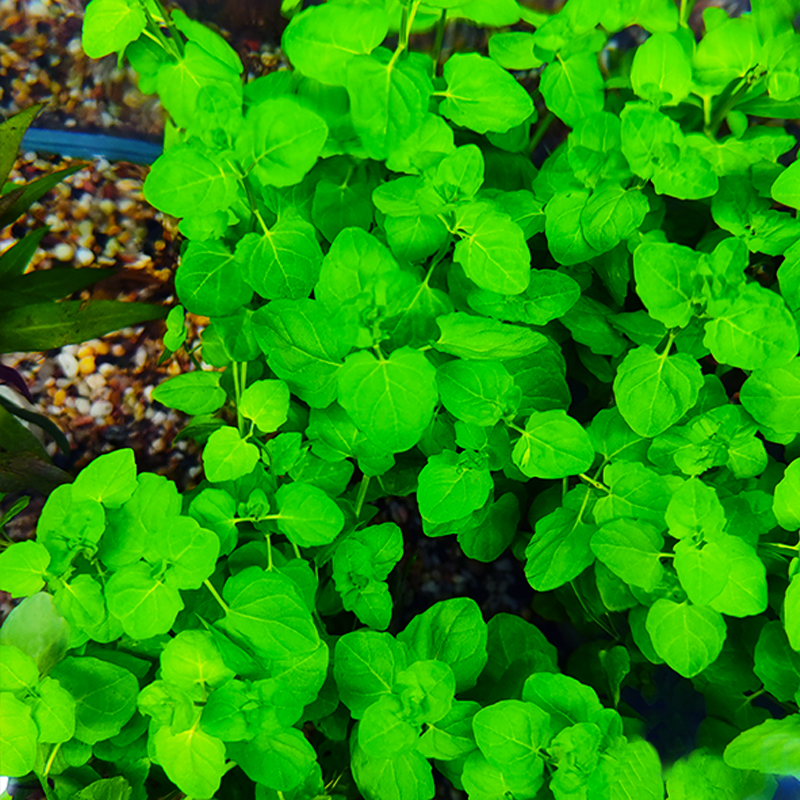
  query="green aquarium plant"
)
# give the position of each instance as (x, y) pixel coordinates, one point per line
(591, 362)
(34, 316)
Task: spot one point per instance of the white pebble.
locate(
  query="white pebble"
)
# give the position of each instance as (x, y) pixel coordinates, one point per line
(106, 369)
(95, 381)
(56, 224)
(68, 364)
(63, 252)
(100, 409)
(82, 405)
(159, 418)
(84, 256)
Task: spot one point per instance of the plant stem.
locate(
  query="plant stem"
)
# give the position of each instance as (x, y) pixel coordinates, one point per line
(50, 760)
(237, 388)
(216, 595)
(362, 493)
(173, 31)
(540, 131)
(437, 44)
(157, 34)
(594, 483)
(268, 539)
(296, 549)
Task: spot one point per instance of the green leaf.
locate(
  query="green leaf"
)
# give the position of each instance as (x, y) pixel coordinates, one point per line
(636, 491)
(702, 570)
(631, 550)
(745, 591)
(452, 631)
(513, 51)
(573, 87)
(227, 456)
(695, 512)
(105, 695)
(388, 100)
(752, 331)
(193, 760)
(776, 663)
(188, 551)
(786, 189)
(192, 392)
(611, 215)
(184, 179)
(563, 229)
(390, 399)
(357, 269)
(473, 337)
(18, 671)
(81, 603)
(654, 391)
(280, 760)
(35, 627)
(282, 262)
(18, 735)
(689, 638)
(638, 772)
(307, 515)
(558, 551)
(22, 568)
(146, 606)
(791, 613)
(54, 712)
(365, 667)
(110, 479)
(702, 774)
(47, 326)
(477, 392)
(110, 25)
(266, 403)
(553, 445)
(128, 533)
(321, 42)
(267, 611)
(786, 503)
(492, 249)
(668, 281)
(281, 141)
(661, 71)
(511, 733)
(303, 347)
(772, 747)
(452, 486)
(772, 396)
(566, 700)
(383, 731)
(406, 776)
(482, 96)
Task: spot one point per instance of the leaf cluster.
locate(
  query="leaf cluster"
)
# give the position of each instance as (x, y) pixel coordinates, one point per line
(401, 303)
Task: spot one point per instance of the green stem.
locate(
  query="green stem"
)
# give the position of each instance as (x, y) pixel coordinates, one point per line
(670, 340)
(712, 127)
(362, 494)
(216, 595)
(594, 483)
(540, 131)
(666, 555)
(237, 388)
(173, 31)
(296, 549)
(50, 760)
(437, 44)
(686, 10)
(781, 546)
(158, 34)
(268, 539)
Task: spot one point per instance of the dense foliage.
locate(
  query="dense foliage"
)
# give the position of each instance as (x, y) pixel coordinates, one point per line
(401, 303)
